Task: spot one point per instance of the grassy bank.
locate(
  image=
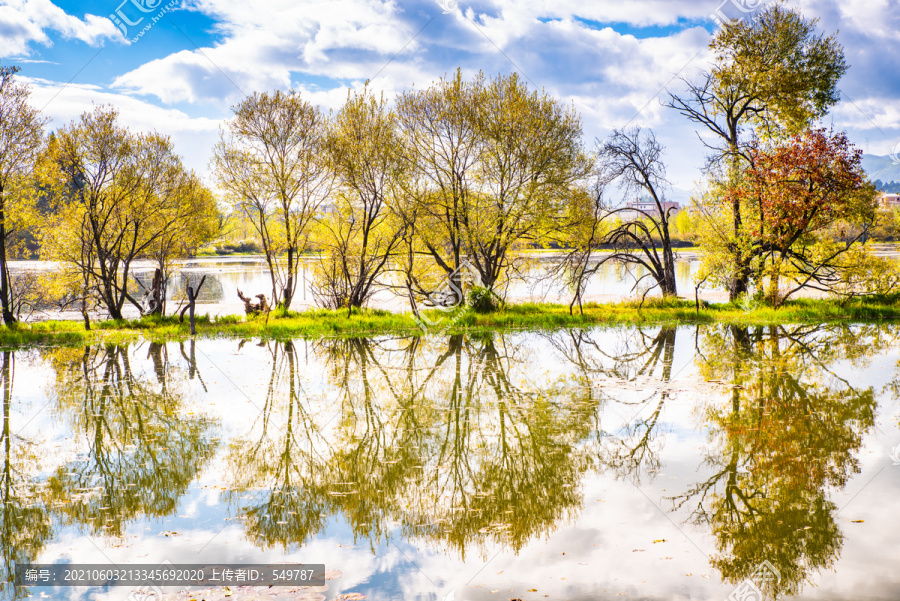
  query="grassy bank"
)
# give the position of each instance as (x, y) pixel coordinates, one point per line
(526, 316)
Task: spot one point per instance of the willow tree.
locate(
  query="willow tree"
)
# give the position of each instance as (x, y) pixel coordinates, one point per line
(492, 164)
(442, 145)
(121, 194)
(21, 136)
(361, 234)
(771, 77)
(271, 160)
(531, 159)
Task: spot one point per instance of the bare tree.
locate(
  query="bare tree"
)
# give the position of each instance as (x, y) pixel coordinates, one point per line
(634, 159)
(192, 295)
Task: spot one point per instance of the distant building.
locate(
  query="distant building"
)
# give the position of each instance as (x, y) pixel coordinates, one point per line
(888, 200)
(649, 207)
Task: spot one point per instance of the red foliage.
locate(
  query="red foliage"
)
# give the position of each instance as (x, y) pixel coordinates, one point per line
(804, 184)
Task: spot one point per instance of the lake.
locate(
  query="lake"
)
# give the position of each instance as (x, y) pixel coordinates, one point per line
(651, 463)
(225, 275)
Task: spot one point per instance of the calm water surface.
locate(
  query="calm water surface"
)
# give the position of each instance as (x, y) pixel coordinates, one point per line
(225, 275)
(654, 463)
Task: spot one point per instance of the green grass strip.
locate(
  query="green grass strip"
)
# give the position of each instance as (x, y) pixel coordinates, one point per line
(317, 323)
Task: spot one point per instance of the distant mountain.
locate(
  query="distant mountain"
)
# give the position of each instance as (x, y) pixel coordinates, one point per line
(887, 169)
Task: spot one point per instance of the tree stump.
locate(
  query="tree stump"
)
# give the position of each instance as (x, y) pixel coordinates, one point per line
(251, 308)
(192, 301)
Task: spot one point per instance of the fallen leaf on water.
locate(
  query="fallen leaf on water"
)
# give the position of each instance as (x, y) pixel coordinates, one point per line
(857, 521)
(659, 540)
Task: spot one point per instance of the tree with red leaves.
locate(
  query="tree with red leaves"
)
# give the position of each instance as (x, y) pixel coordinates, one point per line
(802, 188)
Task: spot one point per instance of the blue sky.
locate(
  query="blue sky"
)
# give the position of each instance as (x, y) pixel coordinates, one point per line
(612, 59)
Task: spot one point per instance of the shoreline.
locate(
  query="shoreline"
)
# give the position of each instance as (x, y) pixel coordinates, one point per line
(321, 323)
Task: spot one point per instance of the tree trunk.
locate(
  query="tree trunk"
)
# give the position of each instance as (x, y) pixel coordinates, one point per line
(5, 288)
(774, 281)
(156, 293)
(109, 296)
(84, 312)
(288, 293)
(192, 301)
(668, 285)
(740, 282)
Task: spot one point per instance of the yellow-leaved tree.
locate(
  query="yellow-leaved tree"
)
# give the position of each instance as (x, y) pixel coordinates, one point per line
(270, 159)
(21, 136)
(119, 197)
(361, 233)
(492, 169)
(771, 77)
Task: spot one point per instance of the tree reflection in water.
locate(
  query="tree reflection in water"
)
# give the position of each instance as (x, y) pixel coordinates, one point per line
(26, 525)
(142, 450)
(433, 434)
(640, 359)
(141, 453)
(782, 441)
(465, 443)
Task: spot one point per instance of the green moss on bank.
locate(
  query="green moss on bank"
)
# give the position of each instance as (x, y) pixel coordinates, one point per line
(526, 316)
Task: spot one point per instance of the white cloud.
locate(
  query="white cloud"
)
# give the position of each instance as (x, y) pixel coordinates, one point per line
(343, 39)
(638, 13)
(325, 47)
(874, 17)
(609, 76)
(263, 50)
(868, 113)
(23, 22)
